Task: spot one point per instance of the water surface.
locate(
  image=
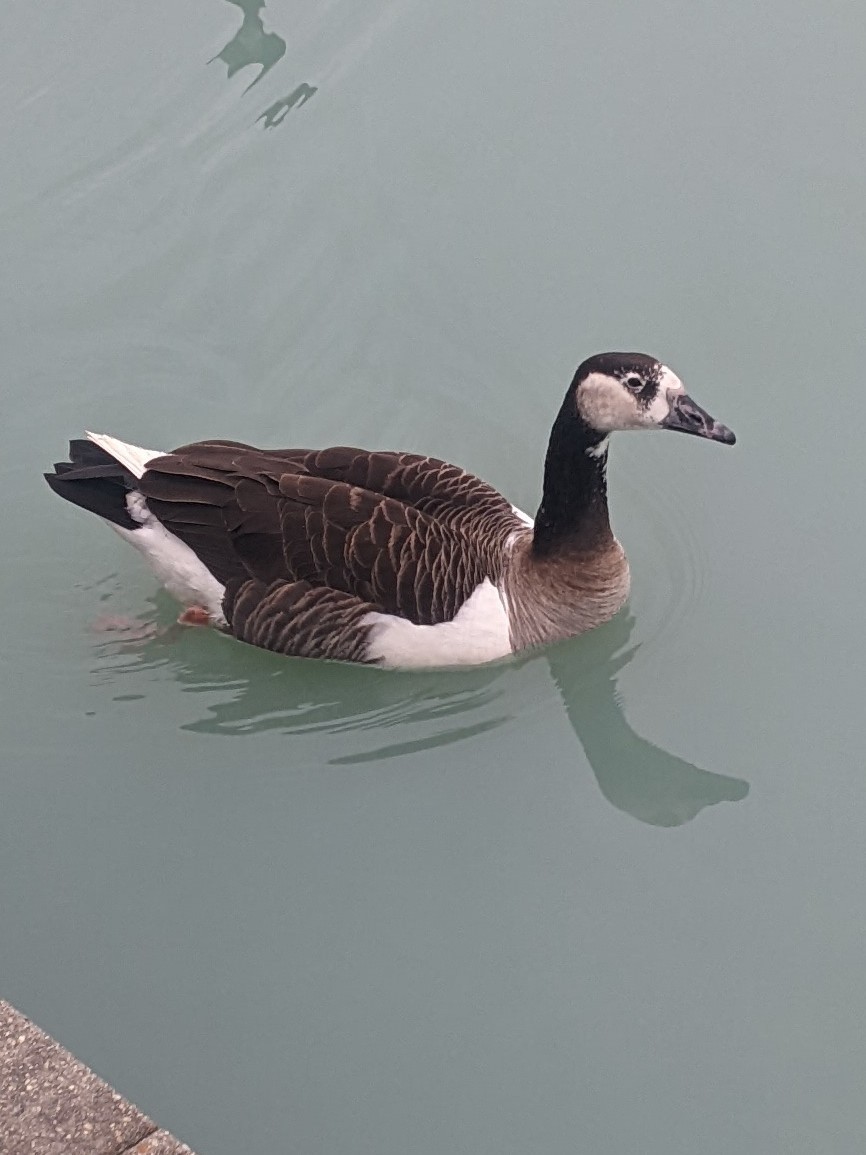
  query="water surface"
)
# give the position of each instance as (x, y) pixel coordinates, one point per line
(607, 897)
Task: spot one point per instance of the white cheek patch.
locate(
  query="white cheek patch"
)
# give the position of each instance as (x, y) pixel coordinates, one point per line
(658, 409)
(605, 404)
(600, 449)
(669, 381)
(670, 386)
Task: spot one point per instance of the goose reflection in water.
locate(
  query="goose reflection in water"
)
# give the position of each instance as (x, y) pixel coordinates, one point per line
(251, 44)
(250, 691)
(633, 774)
(279, 110)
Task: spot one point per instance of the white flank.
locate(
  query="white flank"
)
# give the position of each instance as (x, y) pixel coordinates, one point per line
(524, 517)
(176, 566)
(131, 457)
(478, 633)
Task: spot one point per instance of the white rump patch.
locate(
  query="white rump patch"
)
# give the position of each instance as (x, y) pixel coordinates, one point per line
(478, 633)
(176, 566)
(131, 457)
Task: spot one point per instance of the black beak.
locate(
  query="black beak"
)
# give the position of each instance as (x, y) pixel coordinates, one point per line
(687, 417)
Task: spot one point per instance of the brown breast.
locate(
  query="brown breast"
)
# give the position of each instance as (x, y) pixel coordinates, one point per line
(562, 594)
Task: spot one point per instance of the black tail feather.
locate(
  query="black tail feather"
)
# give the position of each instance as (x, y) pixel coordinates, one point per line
(95, 481)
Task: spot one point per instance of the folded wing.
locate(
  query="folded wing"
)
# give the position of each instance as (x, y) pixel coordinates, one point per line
(398, 532)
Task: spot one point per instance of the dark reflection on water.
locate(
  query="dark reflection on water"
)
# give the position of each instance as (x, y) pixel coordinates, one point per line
(280, 109)
(259, 692)
(633, 774)
(251, 44)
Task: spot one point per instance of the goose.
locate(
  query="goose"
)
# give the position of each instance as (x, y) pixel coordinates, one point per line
(387, 558)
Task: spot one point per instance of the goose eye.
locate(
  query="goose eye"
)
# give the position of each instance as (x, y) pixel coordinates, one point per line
(634, 383)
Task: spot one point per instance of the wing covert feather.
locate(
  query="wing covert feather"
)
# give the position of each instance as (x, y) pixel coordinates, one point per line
(399, 532)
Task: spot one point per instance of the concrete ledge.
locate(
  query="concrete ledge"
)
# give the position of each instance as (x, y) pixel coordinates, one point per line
(51, 1104)
(159, 1143)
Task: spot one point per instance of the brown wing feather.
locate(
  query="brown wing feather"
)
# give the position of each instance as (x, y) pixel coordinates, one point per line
(298, 618)
(398, 532)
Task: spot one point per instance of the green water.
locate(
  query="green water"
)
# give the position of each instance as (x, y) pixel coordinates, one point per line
(608, 898)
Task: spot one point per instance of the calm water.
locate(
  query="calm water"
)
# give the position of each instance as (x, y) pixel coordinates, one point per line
(608, 898)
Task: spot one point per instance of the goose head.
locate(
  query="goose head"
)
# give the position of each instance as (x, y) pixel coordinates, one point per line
(615, 391)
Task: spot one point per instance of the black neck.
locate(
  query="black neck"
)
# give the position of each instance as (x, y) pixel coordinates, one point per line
(573, 511)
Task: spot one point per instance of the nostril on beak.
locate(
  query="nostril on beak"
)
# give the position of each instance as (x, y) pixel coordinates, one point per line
(688, 417)
(693, 416)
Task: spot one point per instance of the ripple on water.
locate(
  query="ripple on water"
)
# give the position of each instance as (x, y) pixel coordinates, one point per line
(668, 562)
(248, 691)
(353, 715)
